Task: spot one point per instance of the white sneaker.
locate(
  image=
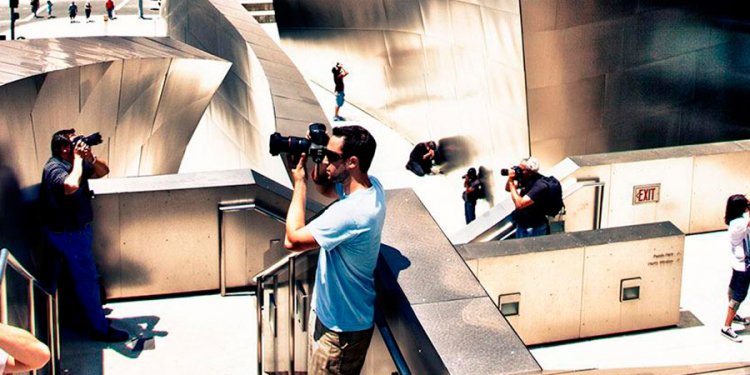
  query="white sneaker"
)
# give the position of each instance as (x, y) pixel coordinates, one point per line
(730, 334)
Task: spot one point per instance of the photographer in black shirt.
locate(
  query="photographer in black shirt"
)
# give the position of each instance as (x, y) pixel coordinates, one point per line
(529, 194)
(65, 200)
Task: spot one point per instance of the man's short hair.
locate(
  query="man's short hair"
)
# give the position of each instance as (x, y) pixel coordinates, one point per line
(357, 142)
(531, 163)
(60, 140)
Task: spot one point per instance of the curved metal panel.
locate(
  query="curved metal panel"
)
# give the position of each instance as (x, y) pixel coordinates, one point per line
(112, 85)
(617, 76)
(436, 69)
(263, 92)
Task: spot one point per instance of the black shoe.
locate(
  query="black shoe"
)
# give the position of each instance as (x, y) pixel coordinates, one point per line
(112, 335)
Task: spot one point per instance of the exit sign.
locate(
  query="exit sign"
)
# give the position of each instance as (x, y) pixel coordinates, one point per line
(646, 193)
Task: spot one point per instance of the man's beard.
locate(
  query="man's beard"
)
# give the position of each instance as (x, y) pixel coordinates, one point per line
(341, 177)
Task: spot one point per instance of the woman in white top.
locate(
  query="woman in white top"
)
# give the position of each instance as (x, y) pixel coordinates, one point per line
(737, 219)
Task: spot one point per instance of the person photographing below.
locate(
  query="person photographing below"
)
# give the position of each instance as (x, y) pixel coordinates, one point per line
(535, 197)
(348, 233)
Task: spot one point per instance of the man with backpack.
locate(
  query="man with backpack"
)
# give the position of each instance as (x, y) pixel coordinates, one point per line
(535, 197)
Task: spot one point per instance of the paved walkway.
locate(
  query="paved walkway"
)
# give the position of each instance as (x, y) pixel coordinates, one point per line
(215, 335)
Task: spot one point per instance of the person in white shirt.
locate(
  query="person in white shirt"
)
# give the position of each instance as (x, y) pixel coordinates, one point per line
(736, 217)
(20, 351)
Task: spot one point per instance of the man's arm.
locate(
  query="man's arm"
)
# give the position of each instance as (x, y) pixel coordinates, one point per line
(25, 352)
(100, 166)
(73, 182)
(519, 201)
(298, 237)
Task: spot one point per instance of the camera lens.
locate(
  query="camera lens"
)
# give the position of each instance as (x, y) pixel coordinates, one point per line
(504, 172)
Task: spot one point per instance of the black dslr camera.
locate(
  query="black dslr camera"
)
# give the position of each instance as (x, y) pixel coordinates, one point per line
(91, 140)
(313, 147)
(517, 169)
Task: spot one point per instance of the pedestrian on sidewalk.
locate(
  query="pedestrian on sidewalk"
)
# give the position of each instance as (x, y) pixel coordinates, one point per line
(49, 9)
(110, 6)
(35, 8)
(338, 79)
(87, 10)
(73, 11)
(738, 223)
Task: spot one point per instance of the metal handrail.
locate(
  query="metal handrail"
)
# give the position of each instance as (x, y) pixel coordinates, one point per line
(7, 259)
(289, 262)
(505, 227)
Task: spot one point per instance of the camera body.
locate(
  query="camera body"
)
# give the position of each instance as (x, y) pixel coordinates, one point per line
(91, 140)
(515, 168)
(313, 147)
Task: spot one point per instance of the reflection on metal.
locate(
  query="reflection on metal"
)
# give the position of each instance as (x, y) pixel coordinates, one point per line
(263, 92)
(430, 69)
(32, 285)
(613, 77)
(145, 95)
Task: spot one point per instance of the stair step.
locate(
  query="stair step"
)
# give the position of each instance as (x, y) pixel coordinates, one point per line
(254, 7)
(270, 18)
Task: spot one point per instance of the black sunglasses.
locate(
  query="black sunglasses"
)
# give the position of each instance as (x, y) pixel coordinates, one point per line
(332, 155)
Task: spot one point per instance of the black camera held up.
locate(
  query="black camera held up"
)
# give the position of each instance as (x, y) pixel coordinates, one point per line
(313, 147)
(515, 168)
(91, 140)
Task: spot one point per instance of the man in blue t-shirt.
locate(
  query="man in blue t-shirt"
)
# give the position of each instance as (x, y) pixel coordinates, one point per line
(348, 234)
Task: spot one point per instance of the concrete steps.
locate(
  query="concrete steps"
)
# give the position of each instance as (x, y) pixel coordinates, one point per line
(261, 10)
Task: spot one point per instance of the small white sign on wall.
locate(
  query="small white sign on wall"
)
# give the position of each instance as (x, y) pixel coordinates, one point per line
(646, 193)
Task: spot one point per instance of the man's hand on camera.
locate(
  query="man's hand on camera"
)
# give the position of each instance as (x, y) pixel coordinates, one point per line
(80, 150)
(299, 173)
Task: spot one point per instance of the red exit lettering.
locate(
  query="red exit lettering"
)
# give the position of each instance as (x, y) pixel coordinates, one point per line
(646, 193)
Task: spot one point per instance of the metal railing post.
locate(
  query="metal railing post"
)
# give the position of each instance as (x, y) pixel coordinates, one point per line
(292, 291)
(259, 310)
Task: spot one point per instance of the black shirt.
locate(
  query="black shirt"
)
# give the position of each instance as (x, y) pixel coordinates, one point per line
(62, 212)
(533, 215)
(338, 79)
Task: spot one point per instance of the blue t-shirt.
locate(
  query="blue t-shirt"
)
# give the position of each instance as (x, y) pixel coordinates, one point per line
(348, 233)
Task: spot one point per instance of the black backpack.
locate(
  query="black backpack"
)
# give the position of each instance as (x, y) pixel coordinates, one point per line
(554, 204)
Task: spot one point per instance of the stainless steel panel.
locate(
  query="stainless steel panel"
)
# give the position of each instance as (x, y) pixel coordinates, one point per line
(56, 107)
(183, 100)
(17, 132)
(99, 108)
(444, 63)
(669, 72)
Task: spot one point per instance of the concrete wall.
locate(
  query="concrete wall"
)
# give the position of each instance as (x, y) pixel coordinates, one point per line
(161, 234)
(695, 183)
(570, 283)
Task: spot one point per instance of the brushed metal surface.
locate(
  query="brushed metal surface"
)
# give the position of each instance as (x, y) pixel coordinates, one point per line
(255, 100)
(111, 85)
(655, 74)
(429, 66)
